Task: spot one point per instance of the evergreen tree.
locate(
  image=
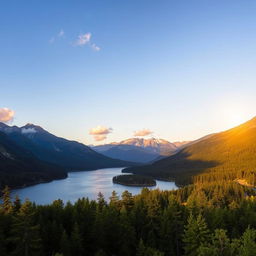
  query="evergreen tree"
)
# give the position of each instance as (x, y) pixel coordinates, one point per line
(7, 203)
(127, 200)
(25, 234)
(114, 198)
(101, 201)
(143, 250)
(220, 245)
(196, 235)
(65, 244)
(16, 204)
(76, 241)
(248, 247)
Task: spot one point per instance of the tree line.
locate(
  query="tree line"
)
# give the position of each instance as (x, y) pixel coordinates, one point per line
(201, 219)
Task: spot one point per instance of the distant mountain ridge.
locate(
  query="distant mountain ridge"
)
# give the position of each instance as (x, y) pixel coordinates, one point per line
(139, 149)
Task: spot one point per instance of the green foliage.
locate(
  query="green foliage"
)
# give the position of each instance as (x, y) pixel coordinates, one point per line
(6, 198)
(196, 235)
(25, 234)
(248, 246)
(147, 251)
(194, 220)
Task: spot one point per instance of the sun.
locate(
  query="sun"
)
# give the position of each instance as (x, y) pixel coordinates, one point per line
(235, 115)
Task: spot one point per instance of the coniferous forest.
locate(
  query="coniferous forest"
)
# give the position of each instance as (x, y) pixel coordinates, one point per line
(201, 219)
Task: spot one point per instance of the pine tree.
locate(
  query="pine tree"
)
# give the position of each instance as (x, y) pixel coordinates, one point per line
(114, 198)
(76, 241)
(101, 201)
(196, 235)
(127, 200)
(7, 203)
(143, 250)
(248, 240)
(171, 229)
(16, 204)
(25, 234)
(64, 244)
(220, 245)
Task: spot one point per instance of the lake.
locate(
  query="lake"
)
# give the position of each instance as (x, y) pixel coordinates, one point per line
(82, 184)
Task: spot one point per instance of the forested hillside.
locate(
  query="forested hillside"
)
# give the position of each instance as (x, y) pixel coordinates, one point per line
(223, 156)
(192, 221)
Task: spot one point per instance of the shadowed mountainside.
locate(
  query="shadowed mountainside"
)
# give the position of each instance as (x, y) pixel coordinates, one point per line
(19, 167)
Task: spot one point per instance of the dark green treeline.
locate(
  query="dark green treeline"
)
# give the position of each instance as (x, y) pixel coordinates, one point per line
(197, 220)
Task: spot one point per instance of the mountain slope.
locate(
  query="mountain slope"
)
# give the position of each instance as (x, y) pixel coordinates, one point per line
(138, 150)
(224, 156)
(19, 167)
(130, 153)
(50, 148)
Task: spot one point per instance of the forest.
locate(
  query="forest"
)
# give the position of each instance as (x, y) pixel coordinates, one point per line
(211, 218)
(134, 180)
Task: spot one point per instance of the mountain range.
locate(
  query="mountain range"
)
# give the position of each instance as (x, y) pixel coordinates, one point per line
(221, 156)
(139, 149)
(30, 153)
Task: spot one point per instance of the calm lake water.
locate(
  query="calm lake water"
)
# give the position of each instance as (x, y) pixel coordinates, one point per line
(82, 184)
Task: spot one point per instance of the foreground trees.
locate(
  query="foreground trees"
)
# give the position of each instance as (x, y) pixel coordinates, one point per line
(193, 221)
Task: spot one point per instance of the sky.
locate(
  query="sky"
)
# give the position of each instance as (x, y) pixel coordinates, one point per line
(99, 71)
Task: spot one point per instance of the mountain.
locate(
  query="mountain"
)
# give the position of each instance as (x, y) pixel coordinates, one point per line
(227, 155)
(19, 167)
(65, 153)
(130, 153)
(138, 150)
(179, 144)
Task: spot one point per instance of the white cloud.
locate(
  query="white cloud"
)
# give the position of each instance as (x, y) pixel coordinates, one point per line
(143, 132)
(28, 130)
(6, 115)
(83, 39)
(95, 47)
(100, 132)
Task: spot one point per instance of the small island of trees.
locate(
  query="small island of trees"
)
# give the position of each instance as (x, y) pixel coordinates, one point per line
(134, 180)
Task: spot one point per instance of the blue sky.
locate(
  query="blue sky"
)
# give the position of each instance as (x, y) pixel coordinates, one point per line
(181, 69)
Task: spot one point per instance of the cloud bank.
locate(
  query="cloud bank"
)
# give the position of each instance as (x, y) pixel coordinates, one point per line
(6, 115)
(100, 132)
(143, 132)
